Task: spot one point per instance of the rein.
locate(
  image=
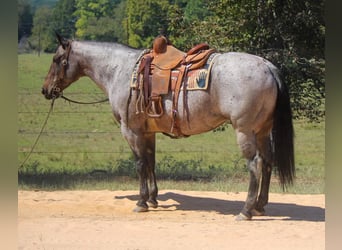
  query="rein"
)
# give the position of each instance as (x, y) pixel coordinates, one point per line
(78, 102)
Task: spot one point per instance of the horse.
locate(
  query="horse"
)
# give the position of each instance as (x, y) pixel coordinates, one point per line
(244, 90)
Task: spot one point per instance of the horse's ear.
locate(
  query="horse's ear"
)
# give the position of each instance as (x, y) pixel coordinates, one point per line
(62, 41)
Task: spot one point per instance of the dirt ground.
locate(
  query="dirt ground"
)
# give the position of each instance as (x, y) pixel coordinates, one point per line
(184, 220)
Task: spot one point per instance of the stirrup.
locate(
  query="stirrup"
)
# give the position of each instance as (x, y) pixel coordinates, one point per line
(154, 108)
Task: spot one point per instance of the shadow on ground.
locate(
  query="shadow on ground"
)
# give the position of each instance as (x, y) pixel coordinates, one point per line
(290, 211)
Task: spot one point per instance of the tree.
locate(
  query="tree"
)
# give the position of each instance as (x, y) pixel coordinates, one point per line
(63, 18)
(120, 22)
(292, 35)
(196, 9)
(25, 19)
(95, 19)
(42, 34)
(288, 33)
(145, 20)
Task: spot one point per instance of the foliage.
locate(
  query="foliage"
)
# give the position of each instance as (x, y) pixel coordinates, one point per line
(42, 38)
(64, 19)
(120, 23)
(196, 10)
(25, 18)
(296, 44)
(95, 20)
(39, 3)
(290, 34)
(146, 20)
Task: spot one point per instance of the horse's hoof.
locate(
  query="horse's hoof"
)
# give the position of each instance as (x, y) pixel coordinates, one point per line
(258, 213)
(242, 217)
(139, 209)
(152, 204)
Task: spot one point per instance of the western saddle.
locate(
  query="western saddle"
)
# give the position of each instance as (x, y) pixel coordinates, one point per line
(155, 73)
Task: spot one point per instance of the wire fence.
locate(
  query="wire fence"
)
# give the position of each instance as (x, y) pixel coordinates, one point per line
(87, 135)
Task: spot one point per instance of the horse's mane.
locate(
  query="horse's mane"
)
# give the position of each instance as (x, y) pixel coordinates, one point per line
(107, 44)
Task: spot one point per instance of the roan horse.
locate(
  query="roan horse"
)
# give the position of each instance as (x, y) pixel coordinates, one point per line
(244, 90)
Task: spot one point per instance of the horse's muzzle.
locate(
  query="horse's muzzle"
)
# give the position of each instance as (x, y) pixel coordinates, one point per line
(53, 94)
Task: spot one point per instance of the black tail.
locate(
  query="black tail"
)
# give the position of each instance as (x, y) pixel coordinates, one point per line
(282, 136)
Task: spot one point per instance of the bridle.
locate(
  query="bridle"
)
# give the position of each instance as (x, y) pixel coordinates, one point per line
(59, 76)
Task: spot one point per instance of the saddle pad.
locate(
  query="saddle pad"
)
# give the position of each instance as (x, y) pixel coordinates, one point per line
(198, 79)
(134, 78)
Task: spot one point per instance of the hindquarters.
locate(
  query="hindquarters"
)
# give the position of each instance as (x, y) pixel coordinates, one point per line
(252, 96)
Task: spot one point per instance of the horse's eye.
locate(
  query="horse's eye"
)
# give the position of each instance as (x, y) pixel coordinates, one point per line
(64, 62)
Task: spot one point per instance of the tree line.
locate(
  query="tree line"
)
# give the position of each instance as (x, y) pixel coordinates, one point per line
(290, 33)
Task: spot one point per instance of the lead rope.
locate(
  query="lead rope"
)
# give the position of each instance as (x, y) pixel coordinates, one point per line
(40, 133)
(47, 117)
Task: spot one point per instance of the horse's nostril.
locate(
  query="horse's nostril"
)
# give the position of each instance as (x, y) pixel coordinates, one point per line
(45, 93)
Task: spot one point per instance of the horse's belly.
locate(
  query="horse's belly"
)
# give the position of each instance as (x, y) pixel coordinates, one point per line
(196, 115)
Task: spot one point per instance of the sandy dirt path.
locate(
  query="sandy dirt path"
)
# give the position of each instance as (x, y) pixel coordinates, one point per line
(184, 220)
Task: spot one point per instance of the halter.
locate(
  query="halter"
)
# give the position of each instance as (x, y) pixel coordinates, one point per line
(56, 91)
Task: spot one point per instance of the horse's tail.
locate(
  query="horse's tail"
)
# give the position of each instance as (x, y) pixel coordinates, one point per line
(283, 134)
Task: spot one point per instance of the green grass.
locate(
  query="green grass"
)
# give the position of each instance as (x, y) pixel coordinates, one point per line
(82, 148)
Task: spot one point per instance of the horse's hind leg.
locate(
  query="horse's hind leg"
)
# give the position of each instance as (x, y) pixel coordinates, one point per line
(266, 152)
(247, 144)
(264, 190)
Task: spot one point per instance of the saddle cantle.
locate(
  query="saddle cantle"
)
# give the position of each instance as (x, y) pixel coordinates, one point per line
(163, 69)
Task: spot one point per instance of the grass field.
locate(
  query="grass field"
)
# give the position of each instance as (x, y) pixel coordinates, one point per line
(82, 147)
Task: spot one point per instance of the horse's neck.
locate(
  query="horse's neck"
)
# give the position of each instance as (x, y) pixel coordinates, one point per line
(103, 62)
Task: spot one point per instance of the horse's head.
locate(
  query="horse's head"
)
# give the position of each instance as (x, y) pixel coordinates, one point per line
(63, 70)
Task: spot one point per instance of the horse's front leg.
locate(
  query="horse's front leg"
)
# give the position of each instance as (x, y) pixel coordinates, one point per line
(141, 167)
(151, 161)
(145, 164)
(143, 148)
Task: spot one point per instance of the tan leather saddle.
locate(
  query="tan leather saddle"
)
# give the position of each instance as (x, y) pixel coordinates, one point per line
(156, 68)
